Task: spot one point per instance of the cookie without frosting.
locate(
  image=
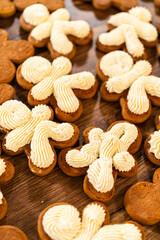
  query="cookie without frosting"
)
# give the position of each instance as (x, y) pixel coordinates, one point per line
(114, 154)
(123, 5)
(50, 4)
(7, 8)
(142, 201)
(12, 52)
(8, 232)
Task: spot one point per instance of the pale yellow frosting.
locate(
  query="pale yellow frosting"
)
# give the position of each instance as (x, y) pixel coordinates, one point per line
(130, 26)
(135, 77)
(155, 144)
(2, 166)
(126, 231)
(61, 29)
(43, 30)
(138, 101)
(21, 136)
(118, 84)
(116, 63)
(144, 30)
(42, 154)
(63, 222)
(123, 34)
(111, 148)
(13, 114)
(1, 197)
(142, 13)
(53, 81)
(36, 14)
(35, 69)
(92, 219)
(66, 99)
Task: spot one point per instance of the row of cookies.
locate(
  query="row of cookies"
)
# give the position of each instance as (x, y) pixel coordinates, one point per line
(8, 8)
(34, 133)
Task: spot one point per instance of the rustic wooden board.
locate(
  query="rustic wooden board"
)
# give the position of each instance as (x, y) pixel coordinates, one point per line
(27, 195)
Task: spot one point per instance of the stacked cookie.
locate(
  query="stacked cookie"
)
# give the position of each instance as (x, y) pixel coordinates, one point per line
(59, 92)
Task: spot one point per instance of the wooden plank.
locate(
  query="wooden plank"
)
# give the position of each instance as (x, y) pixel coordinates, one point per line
(27, 195)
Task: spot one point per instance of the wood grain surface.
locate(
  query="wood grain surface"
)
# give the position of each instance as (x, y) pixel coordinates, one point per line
(27, 195)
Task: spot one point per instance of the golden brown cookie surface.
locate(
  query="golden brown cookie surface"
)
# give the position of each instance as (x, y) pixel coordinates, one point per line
(7, 8)
(6, 92)
(142, 201)
(12, 52)
(8, 232)
(50, 4)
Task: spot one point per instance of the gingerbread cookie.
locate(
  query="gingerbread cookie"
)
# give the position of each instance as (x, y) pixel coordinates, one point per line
(50, 4)
(130, 83)
(47, 135)
(142, 201)
(92, 224)
(7, 8)
(50, 83)
(132, 29)
(152, 143)
(19, 123)
(8, 232)
(7, 92)
(12, 52)
(48, 29)
(6, 171)
(75, 226)
(3, 206)
(123, 5)
(114, 149)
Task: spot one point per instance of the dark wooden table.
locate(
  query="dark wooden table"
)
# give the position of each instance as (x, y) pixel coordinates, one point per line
(27, 195)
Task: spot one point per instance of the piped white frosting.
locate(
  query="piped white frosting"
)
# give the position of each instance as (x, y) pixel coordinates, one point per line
(2, 166)
(104, 151)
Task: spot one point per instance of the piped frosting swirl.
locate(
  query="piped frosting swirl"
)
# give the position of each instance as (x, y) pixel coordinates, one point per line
(2, 166)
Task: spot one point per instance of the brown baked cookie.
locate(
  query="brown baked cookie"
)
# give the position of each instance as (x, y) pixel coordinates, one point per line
(122, 5)
(43, 163)
(3, 206)
(50, 4)
(123, 33)
(12, 52)
(74, 229)
(83, 159)
(142, 201)
(6, 171)
(123, 82)
(151, 144)
(54, 79)
(8, 232)
(157, 3)
(7, 92)
(7, 8)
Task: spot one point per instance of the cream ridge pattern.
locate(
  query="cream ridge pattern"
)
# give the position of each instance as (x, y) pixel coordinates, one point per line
(130, 83)
(62, 221)
(152, 144)
(56, 26)
(104, 151)
(50, 83)
(19, 122)
(129, 28)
